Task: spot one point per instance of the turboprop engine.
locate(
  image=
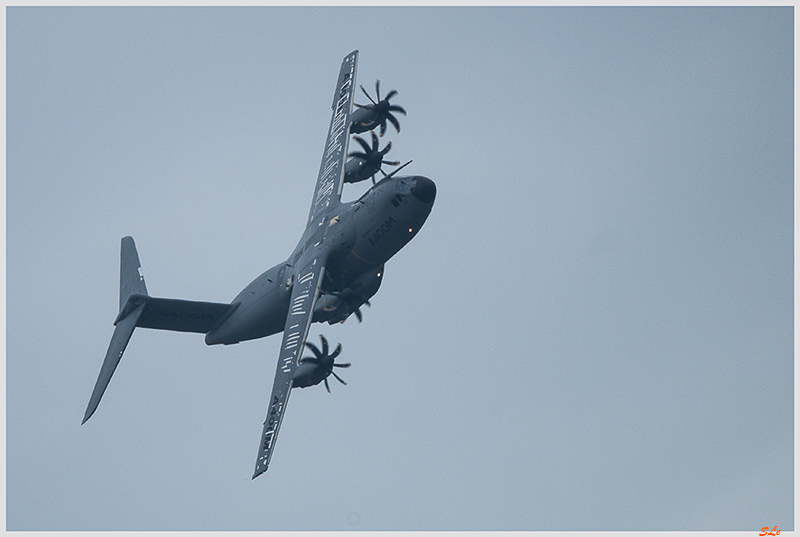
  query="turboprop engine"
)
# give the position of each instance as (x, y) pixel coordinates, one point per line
(315, 369)
(370, 116)
(335, 307)
(367, 163)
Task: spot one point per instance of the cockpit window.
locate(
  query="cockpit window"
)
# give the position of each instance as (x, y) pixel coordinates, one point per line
(405, 184)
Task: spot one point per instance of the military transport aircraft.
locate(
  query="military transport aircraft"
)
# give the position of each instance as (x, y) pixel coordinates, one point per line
(334, 270)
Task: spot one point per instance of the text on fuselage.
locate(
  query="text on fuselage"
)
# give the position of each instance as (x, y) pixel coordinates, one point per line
(377, 234)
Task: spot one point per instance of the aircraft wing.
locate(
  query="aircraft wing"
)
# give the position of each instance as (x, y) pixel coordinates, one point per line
(331, 170)
(311, 268)
(301, 309)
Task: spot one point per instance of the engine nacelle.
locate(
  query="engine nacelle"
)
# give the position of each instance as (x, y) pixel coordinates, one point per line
(366, 163)
(308, 374)
(336, 307)
(315, 369)
(326, 307)
(357, 169)
(368, 117)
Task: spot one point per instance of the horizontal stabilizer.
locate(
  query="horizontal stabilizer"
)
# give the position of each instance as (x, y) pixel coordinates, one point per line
(122, 334)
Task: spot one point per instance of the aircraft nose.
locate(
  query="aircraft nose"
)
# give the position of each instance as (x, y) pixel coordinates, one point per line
(424, 189)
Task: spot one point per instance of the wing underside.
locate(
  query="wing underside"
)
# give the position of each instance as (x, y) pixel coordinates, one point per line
(298, 321)
(313, 257)
(331, 170)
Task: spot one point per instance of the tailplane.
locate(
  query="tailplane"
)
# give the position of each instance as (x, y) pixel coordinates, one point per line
(137, 308)
(131, 286)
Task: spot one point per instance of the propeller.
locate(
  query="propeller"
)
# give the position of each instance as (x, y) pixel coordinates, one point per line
(324, 361)
(351, 299)
(358, 311)
(383, 108)
(372, 157)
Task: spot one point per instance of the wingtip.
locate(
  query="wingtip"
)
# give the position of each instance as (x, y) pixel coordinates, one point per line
(87, 415)
(255, 475)
(260, 470)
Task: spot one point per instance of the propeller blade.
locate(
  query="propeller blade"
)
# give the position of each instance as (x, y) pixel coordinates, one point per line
(374, 141)
(336, 352)
(393, 121)
(363, 143)
(314, 349)
(324, 345)
(337, 378)
(358, 316)
(309, 360)
(385, 149)
(378, 89)
(390, 162)
(348, 364)
(326, 386)
(383, 126)
(368, 97)
(395, 108)
(390, 95)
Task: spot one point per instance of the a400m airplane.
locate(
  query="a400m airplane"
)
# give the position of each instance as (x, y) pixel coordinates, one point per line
(335, 268)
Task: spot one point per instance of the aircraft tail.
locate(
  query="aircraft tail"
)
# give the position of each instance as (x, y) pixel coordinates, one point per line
(131, 279)
(132, 300)
(137, 308)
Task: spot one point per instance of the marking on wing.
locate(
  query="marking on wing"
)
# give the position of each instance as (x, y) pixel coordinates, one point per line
(330, 177)
(332, 167)
(289, 354)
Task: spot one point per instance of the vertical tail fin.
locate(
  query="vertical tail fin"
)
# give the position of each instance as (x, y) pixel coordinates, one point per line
(131, 279)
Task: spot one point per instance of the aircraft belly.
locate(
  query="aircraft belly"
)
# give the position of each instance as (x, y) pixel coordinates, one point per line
(260, 318)
(266, 317)
(262, 311)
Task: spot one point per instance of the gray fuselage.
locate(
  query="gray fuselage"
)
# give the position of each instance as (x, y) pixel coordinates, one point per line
(362, 236)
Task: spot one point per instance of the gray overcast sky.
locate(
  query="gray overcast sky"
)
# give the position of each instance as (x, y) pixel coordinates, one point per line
(594, 329)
